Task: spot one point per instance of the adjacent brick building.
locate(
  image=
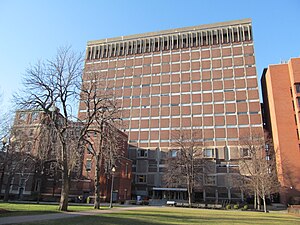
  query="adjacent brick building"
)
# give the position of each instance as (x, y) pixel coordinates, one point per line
(281, 95)
(200, 78)
(39, 178)
(122, 175)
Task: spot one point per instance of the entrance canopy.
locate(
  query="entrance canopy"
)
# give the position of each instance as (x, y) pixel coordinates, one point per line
(169, 189)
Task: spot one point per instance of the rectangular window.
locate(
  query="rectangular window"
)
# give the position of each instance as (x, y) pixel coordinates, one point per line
(142, 153)
(298, 99)
(209, 153)
(245, 152)
(210, 180)
(297, 87)
(126, 170)
(174, 153)
(37, 185)
(88, 165)
(34, 116)
(22, 116)
(267, 147)
(90, 149)
(141, 178)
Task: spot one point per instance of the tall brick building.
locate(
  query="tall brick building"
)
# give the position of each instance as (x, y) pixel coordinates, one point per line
(200, 78)
(281, 94)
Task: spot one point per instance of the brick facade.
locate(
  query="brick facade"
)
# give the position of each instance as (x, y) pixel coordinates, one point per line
(281, 93)
(201, 78)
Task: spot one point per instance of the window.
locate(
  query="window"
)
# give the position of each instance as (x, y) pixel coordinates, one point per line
(90, 149)
(88, 165)
(210, 180)
(297, 87)
(142, 153)
(174, 153)
(22, 182)
(141, 178)
(245, 152)
(34, 116)
(22, 116)
(267, 147)
(126, 170)
(209, 153)
(37, 185)
(298, 99)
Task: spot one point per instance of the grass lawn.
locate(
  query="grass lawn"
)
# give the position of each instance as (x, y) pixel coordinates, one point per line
(168, 215)
(16, 209)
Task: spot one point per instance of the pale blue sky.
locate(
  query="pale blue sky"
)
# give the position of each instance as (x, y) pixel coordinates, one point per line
(33, 29)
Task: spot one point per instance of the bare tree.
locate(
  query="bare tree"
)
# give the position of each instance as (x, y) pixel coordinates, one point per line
(52, 86)
(102, 117)
(185, 168)
(258, 167)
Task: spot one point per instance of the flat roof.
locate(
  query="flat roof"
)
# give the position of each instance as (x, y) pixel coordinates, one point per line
(171, 31)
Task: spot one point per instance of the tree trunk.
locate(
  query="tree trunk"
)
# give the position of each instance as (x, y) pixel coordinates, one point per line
(66, 179)
(190, 198)
(265, 205)
(64, 196)
(97, 182)
(189, 192)
(2, 177)
(1, 181)
(98, 162)
(7, 188)
(3, 170)
(258, 202)
(255, 200)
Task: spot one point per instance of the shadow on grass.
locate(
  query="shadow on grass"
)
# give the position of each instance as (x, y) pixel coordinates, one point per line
(213, 218)
(25, 213)
(110, 219)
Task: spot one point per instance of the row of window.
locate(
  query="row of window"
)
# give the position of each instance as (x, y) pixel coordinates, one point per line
(25, 117)
(209, 153)
(179, 40)
(202, 60)
(168, 141)
(168, 71)
(207, 89)
(209, 179)
(189, 115)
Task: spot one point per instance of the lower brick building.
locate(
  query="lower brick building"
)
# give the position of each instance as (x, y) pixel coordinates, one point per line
(26, 177)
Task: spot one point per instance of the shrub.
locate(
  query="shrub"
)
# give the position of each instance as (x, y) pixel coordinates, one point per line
(245, 207)
(236, 206)
(228, 206)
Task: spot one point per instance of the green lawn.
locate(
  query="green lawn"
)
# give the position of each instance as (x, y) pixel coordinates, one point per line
(168, 215)
(15, 209)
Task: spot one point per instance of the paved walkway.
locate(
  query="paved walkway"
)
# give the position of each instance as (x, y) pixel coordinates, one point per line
(63, 215)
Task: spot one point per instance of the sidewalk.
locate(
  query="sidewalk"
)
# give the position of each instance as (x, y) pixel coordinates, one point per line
(63, 215)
